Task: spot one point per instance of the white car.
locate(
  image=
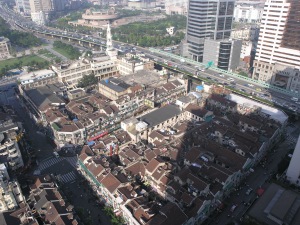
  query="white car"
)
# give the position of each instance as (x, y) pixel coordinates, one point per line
(221, 75)
(294, 99)
(250, 85)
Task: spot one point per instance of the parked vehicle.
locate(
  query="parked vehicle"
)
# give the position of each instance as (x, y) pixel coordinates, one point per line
(233, 208)
(249, 191)
(56, 154)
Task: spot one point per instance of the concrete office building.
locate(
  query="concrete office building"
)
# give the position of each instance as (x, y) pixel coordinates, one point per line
(176, 7)
(248, 12)
(4, 48)
(225, 53)
(207, 19)
(42, 5)
(278, 50)
(23, 7)
(293, 171)
(40, 10)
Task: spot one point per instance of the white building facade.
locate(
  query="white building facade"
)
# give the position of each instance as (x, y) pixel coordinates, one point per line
(293, 171)
(23, 7)
(278, 54)
(4, 48)
(176, 7)
(248, 12)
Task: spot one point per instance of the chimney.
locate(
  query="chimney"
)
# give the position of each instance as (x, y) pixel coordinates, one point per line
(110, 150)
(117, 150)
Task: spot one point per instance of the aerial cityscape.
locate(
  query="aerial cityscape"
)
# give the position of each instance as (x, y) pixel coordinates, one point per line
(149, 112)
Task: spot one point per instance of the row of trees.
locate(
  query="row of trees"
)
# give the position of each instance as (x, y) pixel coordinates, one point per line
(153, 33)
(32, 65)
(69, 49)
(18, 38)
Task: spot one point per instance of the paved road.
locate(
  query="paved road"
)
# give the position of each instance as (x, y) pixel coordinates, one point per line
(75, 187)
(39, 142)
(255, 180)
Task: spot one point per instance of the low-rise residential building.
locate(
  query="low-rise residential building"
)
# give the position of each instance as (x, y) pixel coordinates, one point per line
(38, 100)
(70, 73)
(192, 158)
(113, 88)
(4, 48)
(37, 78)
(47, 203)
(11, 196)
(133, 63)
(10, 133)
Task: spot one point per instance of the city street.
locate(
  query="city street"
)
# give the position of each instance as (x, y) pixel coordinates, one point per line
(258, 179)
(64, 169)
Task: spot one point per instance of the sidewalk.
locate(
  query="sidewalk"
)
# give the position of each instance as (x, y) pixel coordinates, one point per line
(85, 203)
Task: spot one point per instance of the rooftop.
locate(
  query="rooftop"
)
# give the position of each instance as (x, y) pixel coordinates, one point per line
(36, 75)
(43, 96)
(160, 115)
(115, 84)
(274, 113)
(277, 202)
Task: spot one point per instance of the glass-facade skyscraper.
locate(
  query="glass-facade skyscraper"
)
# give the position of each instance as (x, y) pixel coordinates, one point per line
(208, 19)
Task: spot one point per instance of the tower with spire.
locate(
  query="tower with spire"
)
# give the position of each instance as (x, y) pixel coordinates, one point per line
(110, 51)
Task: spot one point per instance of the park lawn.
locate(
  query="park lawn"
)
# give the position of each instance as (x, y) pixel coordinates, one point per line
(63, 52)
(25, 60)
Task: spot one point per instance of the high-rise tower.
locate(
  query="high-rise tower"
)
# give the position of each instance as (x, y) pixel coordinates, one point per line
(208, 19)
(278, 51)
(110, 51)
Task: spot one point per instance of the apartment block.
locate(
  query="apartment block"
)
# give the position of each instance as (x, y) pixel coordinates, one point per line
(277, 45)
(4, 48)
(10, 132)
(37, 78)
(293, 171)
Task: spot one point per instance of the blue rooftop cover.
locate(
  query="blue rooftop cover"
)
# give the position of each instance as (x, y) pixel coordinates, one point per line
(90, 143)
(199, 88)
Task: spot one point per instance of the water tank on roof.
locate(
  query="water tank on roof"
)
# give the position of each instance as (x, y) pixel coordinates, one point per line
(199, 88)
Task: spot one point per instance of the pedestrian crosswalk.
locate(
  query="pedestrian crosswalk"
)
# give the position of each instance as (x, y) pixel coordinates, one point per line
(49, 162)
(68, 177)
(291, 139)
(53, 161)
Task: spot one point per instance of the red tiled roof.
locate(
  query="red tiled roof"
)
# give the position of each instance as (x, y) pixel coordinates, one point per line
(111, 183)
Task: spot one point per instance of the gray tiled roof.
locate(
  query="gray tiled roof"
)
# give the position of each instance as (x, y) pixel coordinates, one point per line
(42, 95)
(115, 84)
(160, 115)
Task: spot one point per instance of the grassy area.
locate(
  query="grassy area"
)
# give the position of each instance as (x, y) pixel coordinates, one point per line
(24, 61)
(63, 52)
(47, 53)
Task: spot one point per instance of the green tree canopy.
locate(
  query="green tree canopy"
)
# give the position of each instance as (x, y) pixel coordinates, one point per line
(19, 38)
(87, 80)
(69, 49)
(153, 33)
